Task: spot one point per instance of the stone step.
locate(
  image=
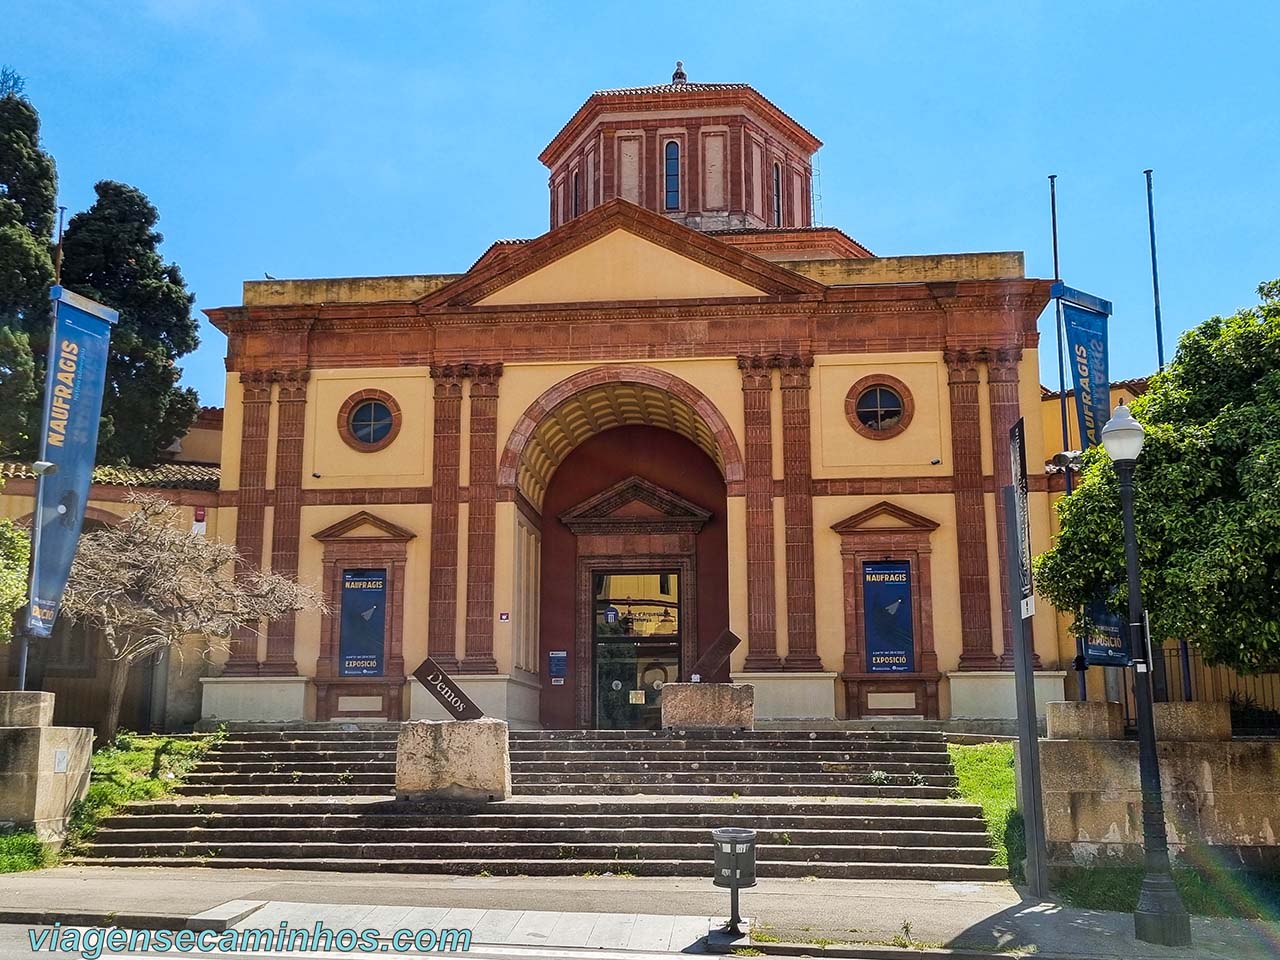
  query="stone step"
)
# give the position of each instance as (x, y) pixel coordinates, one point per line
(215, 778)
(781, 736)
(718, 776)
(258, 766)
(318, 789)
(582, 849)
(301, 756)
(789, 767)
(570, 788)
(743, 746)
(798, 834)
(306, 743)
(561, 868)
(709, 756)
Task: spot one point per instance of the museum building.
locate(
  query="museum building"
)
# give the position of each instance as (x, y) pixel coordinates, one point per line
(684, 409)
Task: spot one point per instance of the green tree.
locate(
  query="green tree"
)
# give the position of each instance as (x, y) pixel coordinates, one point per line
(1207, 500)
(111, 254)
(28, 190)
(15, 548)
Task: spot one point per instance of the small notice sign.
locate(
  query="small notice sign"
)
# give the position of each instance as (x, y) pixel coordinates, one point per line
(1022, 536)
(637, 696)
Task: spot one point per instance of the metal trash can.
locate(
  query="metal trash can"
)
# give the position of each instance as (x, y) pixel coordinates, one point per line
(735, 865)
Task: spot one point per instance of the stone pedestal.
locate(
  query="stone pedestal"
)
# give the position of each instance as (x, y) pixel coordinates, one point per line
(44, 769)
(1192, 721)
(1085, 720)
(466, 760)
(708, 706)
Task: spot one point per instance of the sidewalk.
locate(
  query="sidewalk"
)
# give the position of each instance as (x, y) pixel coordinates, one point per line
(987, 916)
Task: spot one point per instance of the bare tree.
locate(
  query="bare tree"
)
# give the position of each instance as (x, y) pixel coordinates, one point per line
(149, 582)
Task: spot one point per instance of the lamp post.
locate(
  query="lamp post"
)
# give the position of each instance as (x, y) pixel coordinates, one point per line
(1160, 916)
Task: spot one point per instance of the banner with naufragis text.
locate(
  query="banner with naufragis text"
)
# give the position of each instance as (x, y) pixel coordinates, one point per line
(68, 442)
(1085, 318)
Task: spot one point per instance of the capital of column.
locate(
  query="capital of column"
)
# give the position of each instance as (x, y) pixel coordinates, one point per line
(1002, 364)
(293, 384)
(795, 370)
(757, 370)
(962, 365)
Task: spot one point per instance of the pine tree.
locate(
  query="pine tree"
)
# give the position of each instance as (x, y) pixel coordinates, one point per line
(111, 254)
(28, 191)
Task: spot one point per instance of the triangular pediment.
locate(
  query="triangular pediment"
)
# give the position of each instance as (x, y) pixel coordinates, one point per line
(635, 503)
(618, 252)
(885, 517)
(364, 526)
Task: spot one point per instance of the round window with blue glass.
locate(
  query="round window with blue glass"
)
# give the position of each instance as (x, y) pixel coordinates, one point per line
(369, 420)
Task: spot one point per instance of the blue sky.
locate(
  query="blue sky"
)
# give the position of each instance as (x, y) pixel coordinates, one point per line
(338, 139)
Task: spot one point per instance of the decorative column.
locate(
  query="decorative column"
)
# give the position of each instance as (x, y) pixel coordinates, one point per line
(285, 528)
(442, 603)
(977, 652)
(251, 503)
(1006, 408)
(762, 633)
(797, 487)
(482, 497)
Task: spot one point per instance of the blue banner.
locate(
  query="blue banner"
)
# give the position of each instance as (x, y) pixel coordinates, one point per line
(886, 599)
(1106, 645)
(68, 441)
(363, 624)
(1087, 346)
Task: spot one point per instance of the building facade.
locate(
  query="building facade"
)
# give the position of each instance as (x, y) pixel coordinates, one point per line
(684, 409)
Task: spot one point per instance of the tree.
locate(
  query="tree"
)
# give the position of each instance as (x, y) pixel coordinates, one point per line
(111, 254)
(15, 549)
(149, 582)
(1207, 499)
(28, 190)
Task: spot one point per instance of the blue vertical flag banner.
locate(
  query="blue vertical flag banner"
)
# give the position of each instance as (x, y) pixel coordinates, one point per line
(77, 371)
(1106, 645)
(1087, 345)
(886, 601)
(362, 635)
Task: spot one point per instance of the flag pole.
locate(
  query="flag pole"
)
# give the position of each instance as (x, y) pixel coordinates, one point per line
(1155, 272)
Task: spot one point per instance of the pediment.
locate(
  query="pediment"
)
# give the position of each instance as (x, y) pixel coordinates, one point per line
(635, 504)
(618, 252)
(885, 517)
(364, 526)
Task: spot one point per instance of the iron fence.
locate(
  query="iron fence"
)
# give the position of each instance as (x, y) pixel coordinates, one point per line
(1254, 700)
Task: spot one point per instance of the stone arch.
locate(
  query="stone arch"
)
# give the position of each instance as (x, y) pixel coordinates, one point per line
(603, 397)
(91, 513)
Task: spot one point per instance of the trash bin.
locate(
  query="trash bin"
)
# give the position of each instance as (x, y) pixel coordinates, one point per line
(735, 857)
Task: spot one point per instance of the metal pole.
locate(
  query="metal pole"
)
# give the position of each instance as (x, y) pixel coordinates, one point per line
(1155, 272)
(57, 252)
(1160, 916)
(23, 646)
(1060, 330)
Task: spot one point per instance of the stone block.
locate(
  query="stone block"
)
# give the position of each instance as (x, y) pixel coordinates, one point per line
(1192, 721)
(26, 708)
(1085, 720)
(265, 699)
(467, 760)
(990, 694)
(708, 706)
(788, 695)
(43, 772)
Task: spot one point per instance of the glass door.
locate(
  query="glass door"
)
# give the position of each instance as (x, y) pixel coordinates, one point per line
(635, 646)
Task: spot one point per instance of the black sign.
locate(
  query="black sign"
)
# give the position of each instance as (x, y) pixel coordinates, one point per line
(1022, 536)
(1106, 645)
(362, 629)
(886, 610)
(441, 686)
(716, 655)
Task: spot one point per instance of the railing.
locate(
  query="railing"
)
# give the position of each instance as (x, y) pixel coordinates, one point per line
(1254, 700)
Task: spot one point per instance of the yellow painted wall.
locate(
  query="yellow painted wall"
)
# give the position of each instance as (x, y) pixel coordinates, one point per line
(200, 445)
(620, 266)
(951, 266)
(232, 425)
(840, 451)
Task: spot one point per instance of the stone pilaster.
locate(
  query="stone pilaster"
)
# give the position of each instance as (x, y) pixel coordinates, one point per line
(291, 400)
(482, 497)
(762, 630)
(442, 603)
(251, 503)
(977, 652)
(797, 486)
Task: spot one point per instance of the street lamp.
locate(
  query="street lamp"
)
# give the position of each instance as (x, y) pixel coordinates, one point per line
(1160, 916)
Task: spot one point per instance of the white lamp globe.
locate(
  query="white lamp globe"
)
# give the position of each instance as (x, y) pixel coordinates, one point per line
(1123, 436)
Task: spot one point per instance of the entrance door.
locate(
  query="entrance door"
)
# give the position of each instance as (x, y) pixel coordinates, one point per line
(635, 646)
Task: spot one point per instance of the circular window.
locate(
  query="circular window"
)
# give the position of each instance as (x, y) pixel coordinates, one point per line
(369, 420)
(879, 407)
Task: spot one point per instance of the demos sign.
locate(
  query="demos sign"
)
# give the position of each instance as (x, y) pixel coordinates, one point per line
(450, 696)
(364, 621)
(886, 597)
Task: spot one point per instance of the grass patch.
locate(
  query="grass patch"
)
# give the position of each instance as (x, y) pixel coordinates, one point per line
(22, 851)
(1225, 894)
(984, 774)
(133, 767)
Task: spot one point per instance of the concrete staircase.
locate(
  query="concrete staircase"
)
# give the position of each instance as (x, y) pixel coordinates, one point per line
(860, 803)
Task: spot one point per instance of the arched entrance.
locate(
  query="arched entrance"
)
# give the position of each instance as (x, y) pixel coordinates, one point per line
(628, 470)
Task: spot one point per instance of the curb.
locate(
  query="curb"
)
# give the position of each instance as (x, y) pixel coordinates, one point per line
(853, 951)
(219, 919)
